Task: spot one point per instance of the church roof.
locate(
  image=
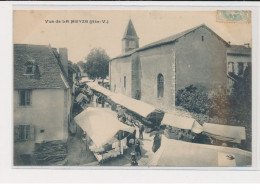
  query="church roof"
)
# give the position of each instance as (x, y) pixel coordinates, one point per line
(168, 40)
(50, 74)
(130, 31)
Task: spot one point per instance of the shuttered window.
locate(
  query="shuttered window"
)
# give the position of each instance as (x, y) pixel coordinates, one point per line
(24, 133)
(25, 97)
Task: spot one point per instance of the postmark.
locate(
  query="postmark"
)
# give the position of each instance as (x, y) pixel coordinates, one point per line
(236, 16)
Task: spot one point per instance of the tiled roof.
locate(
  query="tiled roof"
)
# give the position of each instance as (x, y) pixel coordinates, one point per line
(50, 74)
(239, 49)
(167, 40)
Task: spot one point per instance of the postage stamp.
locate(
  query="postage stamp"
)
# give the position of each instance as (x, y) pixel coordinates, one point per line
(241, 16)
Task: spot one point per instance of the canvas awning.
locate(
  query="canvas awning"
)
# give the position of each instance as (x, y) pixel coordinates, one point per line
(95, 86)
(185, 154)
(139, 107)
(100, 124)
(225, 132)
(80, 97)
(181, 122)
(85, 80)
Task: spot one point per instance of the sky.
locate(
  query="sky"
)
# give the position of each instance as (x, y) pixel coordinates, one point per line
(32, 27)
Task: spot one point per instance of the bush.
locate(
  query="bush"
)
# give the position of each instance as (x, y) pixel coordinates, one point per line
(193, 98)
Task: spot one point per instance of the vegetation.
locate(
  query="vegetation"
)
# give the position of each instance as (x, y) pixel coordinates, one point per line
(97, 64)
(234, 109)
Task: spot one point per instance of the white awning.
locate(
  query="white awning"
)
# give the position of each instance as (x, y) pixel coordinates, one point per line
(95, 86)
(100, 124)
(80, 97)
(181, 122)
(185, 154)
(225, 132)
(134, 105)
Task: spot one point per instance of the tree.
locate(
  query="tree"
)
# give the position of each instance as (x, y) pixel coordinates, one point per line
(242, 103)
(97, 64)
(74, 66)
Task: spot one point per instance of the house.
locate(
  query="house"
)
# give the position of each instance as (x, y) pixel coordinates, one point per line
(155, 72)
(82, 73)
(238, 59)
(42, 97)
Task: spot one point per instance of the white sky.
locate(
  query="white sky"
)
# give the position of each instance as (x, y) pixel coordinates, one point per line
(30, 28)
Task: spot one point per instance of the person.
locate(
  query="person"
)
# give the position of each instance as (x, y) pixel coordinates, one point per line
(156, 142)
(133, 160)
(180, 135)
(137, 147)
(134, 134)
(141, 130)
(102, 101)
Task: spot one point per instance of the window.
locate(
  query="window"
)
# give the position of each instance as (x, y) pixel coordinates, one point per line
(25, 97)
(29, 68)
(231, 67)
(24, 133)
(114, 87)
(132, 44)
(202, 38)
(240, 68)
(160, 85)
(125, 82)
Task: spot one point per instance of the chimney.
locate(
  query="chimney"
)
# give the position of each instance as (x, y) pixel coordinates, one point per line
(64, 59)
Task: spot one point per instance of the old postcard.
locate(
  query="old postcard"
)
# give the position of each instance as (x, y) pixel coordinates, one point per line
(132, 88)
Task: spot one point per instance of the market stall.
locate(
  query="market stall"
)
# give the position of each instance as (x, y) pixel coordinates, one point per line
(224, 133)
(185, 154)
(107, 134)
(138, 107)
(180, 127)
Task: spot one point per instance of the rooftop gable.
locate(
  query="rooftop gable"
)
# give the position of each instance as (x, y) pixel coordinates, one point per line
(50, 74)
(170, 39)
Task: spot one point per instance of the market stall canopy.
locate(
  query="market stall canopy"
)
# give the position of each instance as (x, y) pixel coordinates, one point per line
(184, 154)
(141, 108)
(225, 132)
(95, 86)
(181, 122)
(80, 97)
(85, 80)
(100, 124)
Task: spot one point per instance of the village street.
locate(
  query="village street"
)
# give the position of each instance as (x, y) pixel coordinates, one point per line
(79, 153)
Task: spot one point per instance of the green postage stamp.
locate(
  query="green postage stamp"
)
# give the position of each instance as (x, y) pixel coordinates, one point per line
(241, 16)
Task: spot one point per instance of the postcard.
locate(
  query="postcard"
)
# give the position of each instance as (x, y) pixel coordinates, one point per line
(132, 88)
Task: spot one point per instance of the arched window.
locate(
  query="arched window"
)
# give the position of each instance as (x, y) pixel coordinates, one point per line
(160, 85)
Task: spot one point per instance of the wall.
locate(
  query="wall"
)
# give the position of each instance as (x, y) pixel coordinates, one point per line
(47, 112)
(153, 62)
(198, 61)
(118, 69)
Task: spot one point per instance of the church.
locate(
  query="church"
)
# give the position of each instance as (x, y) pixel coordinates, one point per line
(155, 72)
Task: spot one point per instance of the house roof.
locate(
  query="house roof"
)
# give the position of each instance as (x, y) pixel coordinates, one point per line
(168, 40)
(130, 31)
(50, 71)
(239, 50)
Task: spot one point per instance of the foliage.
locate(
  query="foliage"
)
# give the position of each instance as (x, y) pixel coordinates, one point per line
(74, 66)
(97, 64)
(234, 109)
(193, 98)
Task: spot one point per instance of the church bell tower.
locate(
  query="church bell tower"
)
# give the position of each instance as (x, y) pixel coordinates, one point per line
(130, 39)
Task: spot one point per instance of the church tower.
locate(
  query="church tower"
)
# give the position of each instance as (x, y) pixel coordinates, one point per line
(130, 39)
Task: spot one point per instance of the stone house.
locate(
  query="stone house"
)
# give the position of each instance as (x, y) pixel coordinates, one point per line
(154, 73)
(238, 59)
(42, 97)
